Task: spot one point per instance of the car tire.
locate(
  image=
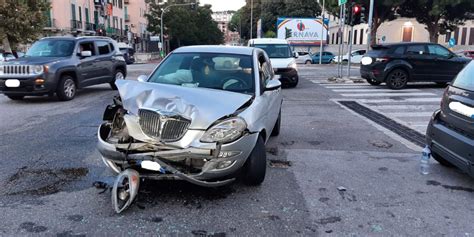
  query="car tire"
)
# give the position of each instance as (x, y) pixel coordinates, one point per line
(118, 75)
(15, 97)
(441, 160)
(66, 88)
(276, 128)
(373, 82)
(256, 165)
(397, 79)
(308, 62)
(294, 83)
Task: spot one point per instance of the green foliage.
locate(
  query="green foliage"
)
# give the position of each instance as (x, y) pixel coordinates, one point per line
(270, 34)
(185, 26)
(22, 21)
(439, 16)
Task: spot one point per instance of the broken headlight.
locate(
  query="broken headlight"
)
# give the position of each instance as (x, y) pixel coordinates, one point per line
(226, 131)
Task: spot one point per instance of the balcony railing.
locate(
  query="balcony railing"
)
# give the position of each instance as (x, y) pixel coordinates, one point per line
(126, 1)
(76, 25)
(90, 26)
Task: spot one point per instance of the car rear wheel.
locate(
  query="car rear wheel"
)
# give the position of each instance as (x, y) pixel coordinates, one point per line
(276, 128)
(307, 62)
(441, 160)
(397, 79)
(373, 82)
(119, 75)
(256, 165)
(294, 83)
(66, 89)
(15, 97)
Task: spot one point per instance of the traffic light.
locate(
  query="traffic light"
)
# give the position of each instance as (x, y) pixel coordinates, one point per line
(348, 17)
(356, 15)
(362, 15)
(288, 33)
(193, 6)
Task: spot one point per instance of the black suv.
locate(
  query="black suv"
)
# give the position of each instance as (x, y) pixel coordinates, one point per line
(398, 64)
(61, 65)
(450, 134)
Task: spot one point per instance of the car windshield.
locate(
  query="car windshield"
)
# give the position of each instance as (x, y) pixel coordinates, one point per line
(276, 50)
(51, 48)
(464, 78)
(227, 72)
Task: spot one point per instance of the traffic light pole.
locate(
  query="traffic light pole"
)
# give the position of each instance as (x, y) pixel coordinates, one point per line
(321, 42)
(371, 16)
(161, 21)
(344, 15)
(351, 35)
(339, 39)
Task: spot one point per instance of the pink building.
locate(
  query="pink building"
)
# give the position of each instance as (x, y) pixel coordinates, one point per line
(123, 20)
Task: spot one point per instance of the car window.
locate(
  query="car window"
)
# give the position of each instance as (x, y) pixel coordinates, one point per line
(276, 50)
(103, 47)
(400, 50)
(51, 48)
(227, 72)
(87, 46)
(464, 79)
(302, 53)
(265, 70)
(111, 47)
(437, 50)
(416, 50)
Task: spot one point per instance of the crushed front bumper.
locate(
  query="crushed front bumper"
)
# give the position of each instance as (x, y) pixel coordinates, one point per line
(220, 160)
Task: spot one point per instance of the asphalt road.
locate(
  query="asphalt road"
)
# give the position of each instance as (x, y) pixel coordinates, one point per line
(48, 164)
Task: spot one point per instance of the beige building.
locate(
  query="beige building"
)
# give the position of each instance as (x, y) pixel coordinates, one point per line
(122, 20)
(223, 19)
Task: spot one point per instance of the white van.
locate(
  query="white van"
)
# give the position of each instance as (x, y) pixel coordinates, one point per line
(282, 58)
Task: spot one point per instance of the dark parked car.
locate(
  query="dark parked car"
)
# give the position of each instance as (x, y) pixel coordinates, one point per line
(450, 134)
(128, 54)
(61, 65)
(398, 64)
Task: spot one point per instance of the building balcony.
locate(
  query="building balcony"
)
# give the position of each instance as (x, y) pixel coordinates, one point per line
(126, 1)
(76, 25)
(127, 18)
(90, 26)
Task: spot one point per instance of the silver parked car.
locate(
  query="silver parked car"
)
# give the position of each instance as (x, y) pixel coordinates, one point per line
(204, 115)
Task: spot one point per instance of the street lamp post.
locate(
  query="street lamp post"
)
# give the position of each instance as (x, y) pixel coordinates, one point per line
(251, 19)
(161, 20)
(321, 42)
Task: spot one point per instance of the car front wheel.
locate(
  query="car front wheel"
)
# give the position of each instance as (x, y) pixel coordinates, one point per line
(441, 160)
(119, 75)
(397, 79)
(256, 165)
(66, 89)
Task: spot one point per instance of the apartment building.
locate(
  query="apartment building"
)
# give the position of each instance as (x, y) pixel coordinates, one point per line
(122, 20)
(223, 19)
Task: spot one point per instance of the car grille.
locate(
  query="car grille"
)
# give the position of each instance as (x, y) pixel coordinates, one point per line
(163, 126)
(16, 69)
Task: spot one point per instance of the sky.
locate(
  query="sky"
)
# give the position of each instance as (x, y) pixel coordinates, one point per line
(222, 5)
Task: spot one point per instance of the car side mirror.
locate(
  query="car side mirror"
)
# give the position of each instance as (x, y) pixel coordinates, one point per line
(273, 85)
(142, 78)
(86, 54)
(295, 55)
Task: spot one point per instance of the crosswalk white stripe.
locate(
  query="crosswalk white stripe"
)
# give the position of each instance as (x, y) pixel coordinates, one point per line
(387, 94)
(411, 100)
(371, 90)
(409, 114)
(342, 86)
(409, 107)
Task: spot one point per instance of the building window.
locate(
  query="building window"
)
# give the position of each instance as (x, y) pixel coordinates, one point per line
(448, 36)
(120, 4)
(463, 36)
(86, 11)
(456, 36)
(355, 37)
(80, 14)
(361, 36)
(332, 40)
(471, 37)
(73, 12)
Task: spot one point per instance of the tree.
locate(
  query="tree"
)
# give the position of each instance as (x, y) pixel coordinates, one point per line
(383, 11)
(22, 22)
(439, 16)
(185, 26)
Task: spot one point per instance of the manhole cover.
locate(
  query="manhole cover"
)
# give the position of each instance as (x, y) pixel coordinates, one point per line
(280, 164)
(380, 144)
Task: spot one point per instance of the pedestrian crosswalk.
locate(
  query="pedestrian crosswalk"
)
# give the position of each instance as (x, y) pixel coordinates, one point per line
(411, 107)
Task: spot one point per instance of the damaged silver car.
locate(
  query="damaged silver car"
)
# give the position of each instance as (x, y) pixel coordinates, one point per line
(204, 115)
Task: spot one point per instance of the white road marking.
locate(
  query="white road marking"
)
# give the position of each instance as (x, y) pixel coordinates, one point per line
(404, 107)
(387, 94)
(408, 114)
(357, 90)
(411, 100)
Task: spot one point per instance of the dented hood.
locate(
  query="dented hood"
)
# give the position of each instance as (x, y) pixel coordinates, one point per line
(203, 106)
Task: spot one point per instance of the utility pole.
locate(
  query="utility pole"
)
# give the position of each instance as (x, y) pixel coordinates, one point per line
(371, 16)
(339, 40)
(344, 15)
(251, 19)
(351, 35)
(322, 33)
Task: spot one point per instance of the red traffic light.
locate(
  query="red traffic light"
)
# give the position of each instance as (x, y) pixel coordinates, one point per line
(356, 9)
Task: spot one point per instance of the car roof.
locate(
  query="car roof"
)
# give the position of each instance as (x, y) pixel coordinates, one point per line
(403, 43)
(268, 41)
(215, 49)
(77, 38)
